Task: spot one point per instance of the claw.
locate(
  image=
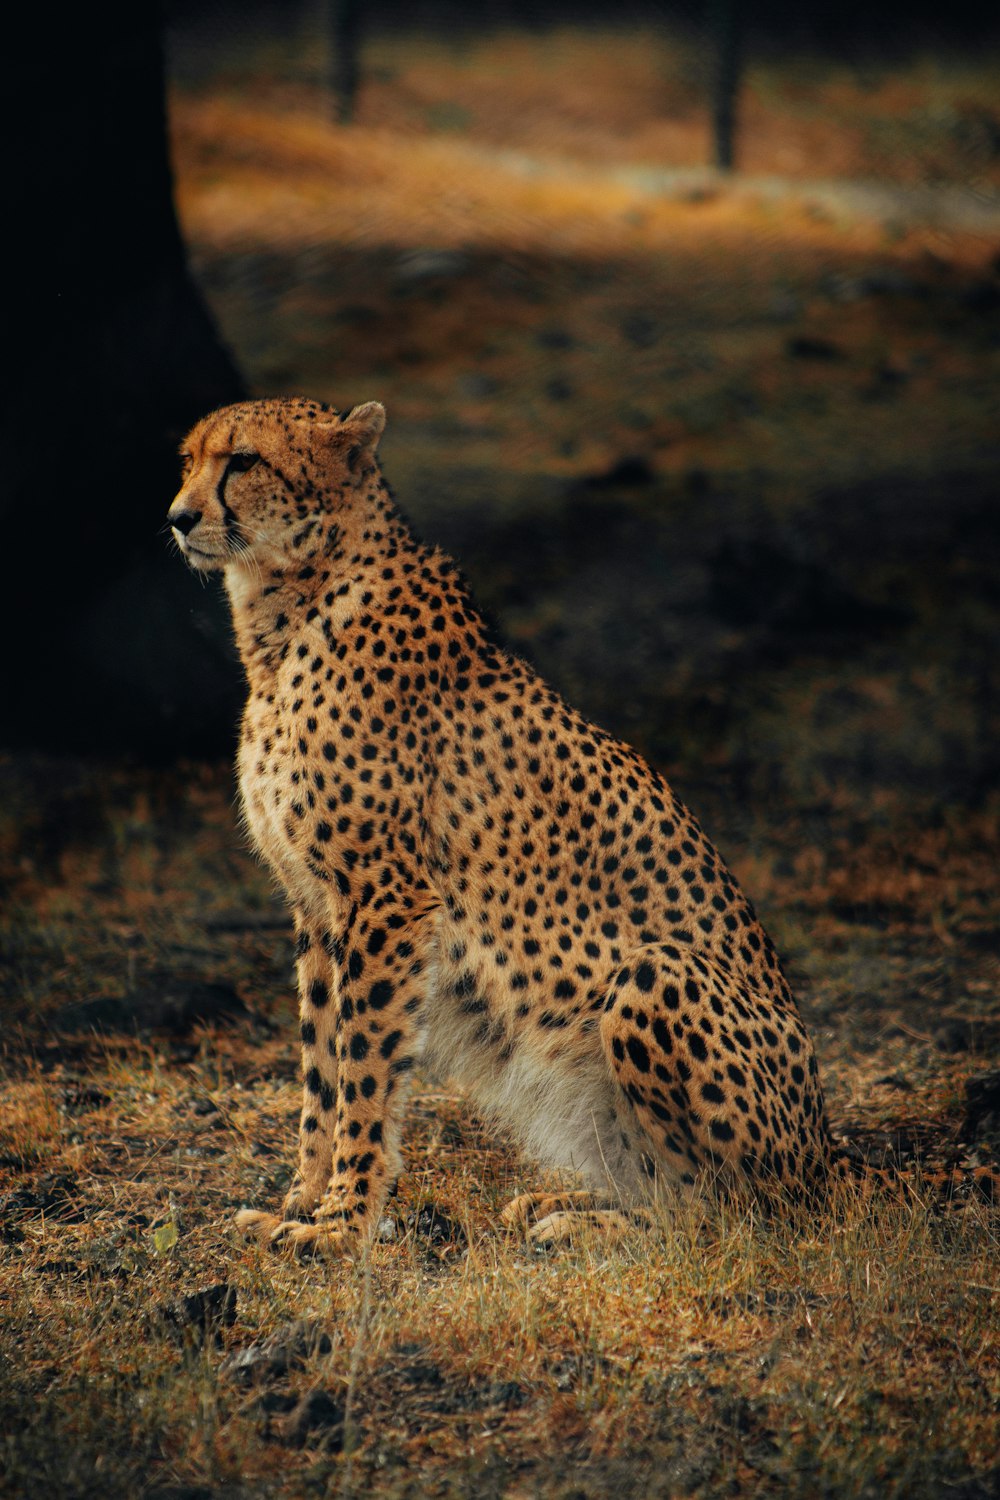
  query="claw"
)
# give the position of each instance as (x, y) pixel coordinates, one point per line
(528, 1208)
(307, 1240)
(517, 1213)
(564, 1227)
(283, 1233)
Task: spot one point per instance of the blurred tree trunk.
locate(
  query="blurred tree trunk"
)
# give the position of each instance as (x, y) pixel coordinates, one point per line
(111, 355)
(345, 48)
(725, 20)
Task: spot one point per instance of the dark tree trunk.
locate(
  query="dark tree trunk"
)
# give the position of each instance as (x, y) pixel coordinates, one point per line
(726, 40)
(345, 46)
(111, 354)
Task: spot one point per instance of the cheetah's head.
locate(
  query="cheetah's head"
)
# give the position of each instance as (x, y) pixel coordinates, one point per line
(261, 480)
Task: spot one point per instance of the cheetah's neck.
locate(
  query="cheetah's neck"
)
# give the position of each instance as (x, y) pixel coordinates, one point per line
(278, 603)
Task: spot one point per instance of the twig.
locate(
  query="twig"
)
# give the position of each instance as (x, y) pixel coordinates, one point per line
(347, 1487)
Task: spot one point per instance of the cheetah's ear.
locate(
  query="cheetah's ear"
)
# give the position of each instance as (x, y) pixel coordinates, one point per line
(363, 425)
(354, 435)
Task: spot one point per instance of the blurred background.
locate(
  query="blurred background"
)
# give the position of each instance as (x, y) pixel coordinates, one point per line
(687, 322)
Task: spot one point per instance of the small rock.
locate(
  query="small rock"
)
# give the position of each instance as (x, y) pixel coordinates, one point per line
(317, 1414)
(116, 1254)
(387, 1229)
(982, 1106)
(435, 1227)
(287, 1348)
(50, 1197)
(201, 1314)
(79, 1097)
(576, 1369)
(509, 1394)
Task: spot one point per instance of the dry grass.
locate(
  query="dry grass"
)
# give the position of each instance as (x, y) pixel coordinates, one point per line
(851, 1355)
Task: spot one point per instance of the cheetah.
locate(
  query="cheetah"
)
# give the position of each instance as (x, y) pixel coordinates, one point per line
(480, 880)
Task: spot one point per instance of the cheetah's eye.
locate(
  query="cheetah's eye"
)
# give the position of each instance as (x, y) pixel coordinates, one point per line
(241, 462)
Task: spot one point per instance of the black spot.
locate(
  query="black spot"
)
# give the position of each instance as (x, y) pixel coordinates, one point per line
(638, 1053)
(380, 994)
(390, 1043)
(661, 1031)
(645, 977)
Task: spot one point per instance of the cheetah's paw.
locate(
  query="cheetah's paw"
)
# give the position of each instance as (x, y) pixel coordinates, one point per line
(300, 1202)
(305, 1241)
(565, 1228)
(257, 1225)
(528, 1208)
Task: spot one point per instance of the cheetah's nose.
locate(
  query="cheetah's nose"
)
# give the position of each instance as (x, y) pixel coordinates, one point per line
(184, 521)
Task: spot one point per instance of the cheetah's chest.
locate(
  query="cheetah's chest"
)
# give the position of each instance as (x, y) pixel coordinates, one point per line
(275, 803)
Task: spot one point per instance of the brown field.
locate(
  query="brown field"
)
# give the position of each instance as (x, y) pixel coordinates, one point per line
(721, 457)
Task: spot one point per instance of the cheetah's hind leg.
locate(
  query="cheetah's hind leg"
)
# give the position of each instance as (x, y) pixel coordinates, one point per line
(718, 1073)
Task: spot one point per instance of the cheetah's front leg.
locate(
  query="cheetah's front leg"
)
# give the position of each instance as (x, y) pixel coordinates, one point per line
(382, 983)
(316, 951)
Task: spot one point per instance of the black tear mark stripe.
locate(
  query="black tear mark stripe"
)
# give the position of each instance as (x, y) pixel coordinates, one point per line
(228, 514)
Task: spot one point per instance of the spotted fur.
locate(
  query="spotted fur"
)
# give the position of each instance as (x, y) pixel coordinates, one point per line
(481, 880)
